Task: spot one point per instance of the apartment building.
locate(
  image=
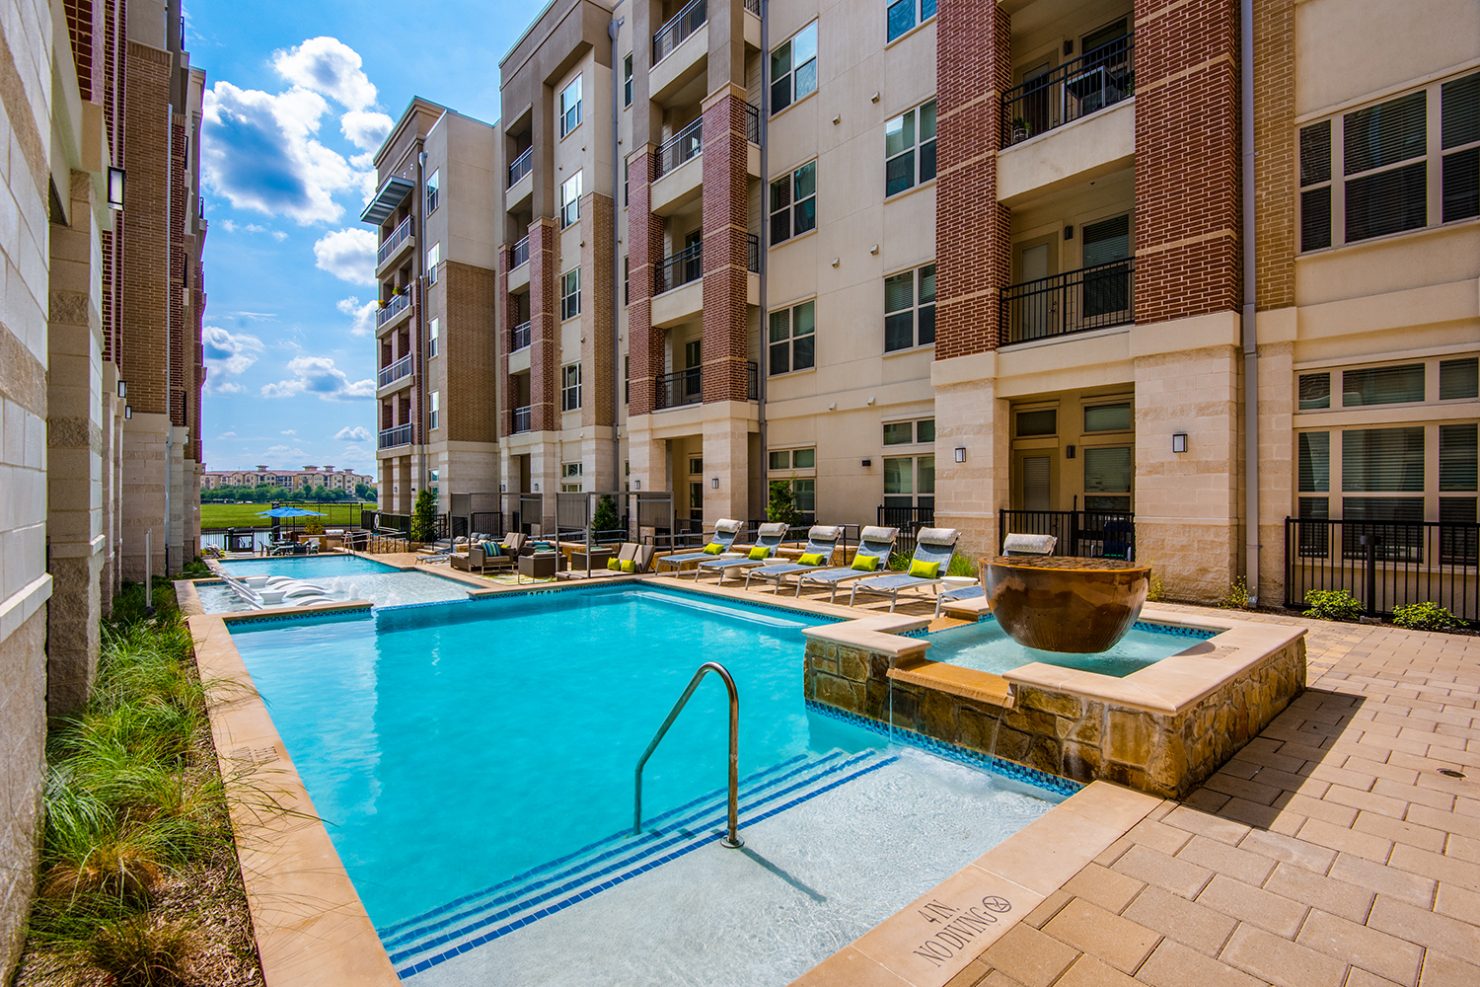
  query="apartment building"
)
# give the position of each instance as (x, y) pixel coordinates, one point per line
(435, 324)
(307, 478)
(98, 322)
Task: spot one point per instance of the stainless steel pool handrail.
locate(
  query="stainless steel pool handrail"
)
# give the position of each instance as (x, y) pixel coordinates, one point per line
(732, 836)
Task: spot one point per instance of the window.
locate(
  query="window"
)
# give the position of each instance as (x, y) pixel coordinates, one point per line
(794, 203)
(794, 68)
(787, 459)
(434, 419)
(627, 81)
(1458, 379)
(1108, 417)
(1315, 391)
(901, 16)
(434, 257)
(909, 481)
(909, 149)
(570, 294)
(1107, 478)
(570, 107)
(909, 309)
(1037, 423)
(434, 330)
(570, 200)
(905, 433)
(572, 478)
(434, 185)
(793, 339)
(1367, 173)
(1382, 385)
(570, 387)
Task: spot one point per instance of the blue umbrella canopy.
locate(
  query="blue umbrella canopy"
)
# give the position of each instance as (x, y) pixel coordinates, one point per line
(282, 512)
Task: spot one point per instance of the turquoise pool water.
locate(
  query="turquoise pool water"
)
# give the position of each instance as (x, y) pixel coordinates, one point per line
(986, 647)
(344, 577)
(450, 747)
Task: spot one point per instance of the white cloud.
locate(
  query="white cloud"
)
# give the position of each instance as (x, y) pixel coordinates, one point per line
(223, 387)
(280, 453)
(329, 67)
(356, 434)
(228, 225)
(362, 314)
(225, 352)
(290, 432)
(319, 377)
(226, 435)
(365, 129)
(348, 254)
(279, 235)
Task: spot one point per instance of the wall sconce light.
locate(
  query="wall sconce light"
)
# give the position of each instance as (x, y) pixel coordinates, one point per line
(1179, 442)
(115, 188)
(960, 454)
(636, 484)
(537, 486)
(1069, 452)
(128, 412)
(874, 98)
(503, 488)
(123, 388)
(714, 483)
(873, 248)
(836, 261)
(867, 463)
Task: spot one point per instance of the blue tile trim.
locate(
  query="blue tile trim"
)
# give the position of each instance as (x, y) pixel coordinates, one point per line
(238, 618)
(1147, 626)
(961, 755)
(560, 906)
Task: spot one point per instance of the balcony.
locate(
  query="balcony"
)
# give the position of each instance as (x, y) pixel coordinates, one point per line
(394, 245)
(391, 311)
(519, 266)
(1097, 297)
(685, 387)
(396, 372)
(679, 269)
(678, 29)
(1096, 80)
(521, 180)
(399, 435)
(522, 418)
(521, 252)
(519, 337)
(521, 166)
(681, 147)
(680, 51)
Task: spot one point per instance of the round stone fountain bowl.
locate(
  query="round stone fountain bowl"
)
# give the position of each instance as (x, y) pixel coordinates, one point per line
(1065, 603)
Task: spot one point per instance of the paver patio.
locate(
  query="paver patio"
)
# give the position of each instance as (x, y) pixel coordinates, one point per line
(1329, 851)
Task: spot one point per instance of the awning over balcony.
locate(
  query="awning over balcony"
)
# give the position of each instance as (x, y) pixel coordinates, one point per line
(387, 198)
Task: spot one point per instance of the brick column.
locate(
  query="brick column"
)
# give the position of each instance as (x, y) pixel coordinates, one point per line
(726, 228)
(598, 213)
(1187, 134)
(972, 229)
(544, 324)
(502, 338)
(644, 249)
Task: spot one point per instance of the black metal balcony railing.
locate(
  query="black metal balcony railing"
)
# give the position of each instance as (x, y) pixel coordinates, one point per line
(752, 123)
(393, 307)
(683, 146)
(1099, 78)
(519, 337)
(754, 6)
(684, 387)
(398, 236)
(677, 29)
(396, 371)
(399, 435)
(679, 269)
(1098, 534)
(753, 254)
(521, 252)
(522, 419)
(1090, 298)
(521, 166)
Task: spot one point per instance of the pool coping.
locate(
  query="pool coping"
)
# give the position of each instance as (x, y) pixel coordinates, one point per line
(311, 927)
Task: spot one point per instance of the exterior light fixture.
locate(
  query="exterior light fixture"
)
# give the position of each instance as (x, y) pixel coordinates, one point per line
(128, 412)
(1179, 442)
(867, 463)
(115, 188)
(123, 388)
(714, 483)
(960, 454)
(636, 484)
(537, 486)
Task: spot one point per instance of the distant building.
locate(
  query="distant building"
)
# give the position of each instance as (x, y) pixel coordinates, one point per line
(310, 476)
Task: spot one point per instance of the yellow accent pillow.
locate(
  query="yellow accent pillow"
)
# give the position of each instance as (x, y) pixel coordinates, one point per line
(629, 565)
(811, 558)
(713, 548)
(760, 553)
(613, 564)
(866, 563)
(925, 570)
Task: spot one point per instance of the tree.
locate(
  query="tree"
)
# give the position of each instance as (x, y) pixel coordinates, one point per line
(783, 505)
(365, 492)
(424, 517)
(604, 518)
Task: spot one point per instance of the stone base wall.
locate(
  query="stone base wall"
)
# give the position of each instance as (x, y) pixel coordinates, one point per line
(22, 764)
(1073, 736)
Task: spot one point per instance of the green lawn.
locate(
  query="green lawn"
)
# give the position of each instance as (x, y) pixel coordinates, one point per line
(250, 515)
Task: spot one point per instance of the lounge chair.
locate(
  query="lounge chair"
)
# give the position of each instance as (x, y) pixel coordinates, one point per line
(768, 538)
(725, 532)
(873, 542)
(1011, 545)
(933, 550)
(641, 557)
(480, 559)
(822, 540)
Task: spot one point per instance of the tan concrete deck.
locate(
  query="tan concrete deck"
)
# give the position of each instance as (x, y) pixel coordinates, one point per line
(1330, 851)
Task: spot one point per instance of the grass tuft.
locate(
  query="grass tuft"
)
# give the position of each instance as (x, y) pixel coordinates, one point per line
(142, 951)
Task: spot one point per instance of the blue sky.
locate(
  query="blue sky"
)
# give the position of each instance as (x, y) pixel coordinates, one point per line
(298, 97)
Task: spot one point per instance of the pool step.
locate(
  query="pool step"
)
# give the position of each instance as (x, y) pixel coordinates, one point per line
(478, 918)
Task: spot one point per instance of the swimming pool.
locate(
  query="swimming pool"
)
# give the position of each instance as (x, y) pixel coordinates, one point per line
(986, 647)
(345, 577)
(474, 766)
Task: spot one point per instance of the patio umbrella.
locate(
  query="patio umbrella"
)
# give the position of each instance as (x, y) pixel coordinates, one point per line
(282, 512)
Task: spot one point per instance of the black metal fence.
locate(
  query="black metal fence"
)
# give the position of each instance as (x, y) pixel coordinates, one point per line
(1095, 534)
(518, 168)
(677, 29)
(1385, 564)
(519, 336)
(1095, 297)
(682, 147)
(1099, 78)
(679, 269)
(521, 252)
(909, 520)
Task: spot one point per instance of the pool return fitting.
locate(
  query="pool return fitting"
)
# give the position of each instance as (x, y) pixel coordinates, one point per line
(732, 836)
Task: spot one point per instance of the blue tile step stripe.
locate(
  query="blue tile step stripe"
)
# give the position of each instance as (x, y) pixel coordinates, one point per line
(473, 920)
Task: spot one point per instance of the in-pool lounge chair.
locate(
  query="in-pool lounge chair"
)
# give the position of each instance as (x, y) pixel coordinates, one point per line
(1011, 545)
(725, 532)
(822, 540)
(768, 538)
(933, 550)
(874, 542)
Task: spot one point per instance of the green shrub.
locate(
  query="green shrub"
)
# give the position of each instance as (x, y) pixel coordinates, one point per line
(140, 951)
(1157, 589)
(1426, 616)
(424, 517)
(1237, 597)
(961, 566)
(605, 518)
(195, 569)
(782, 506)
(1332, 604)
